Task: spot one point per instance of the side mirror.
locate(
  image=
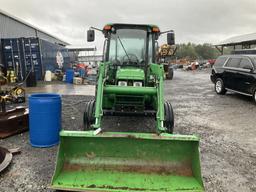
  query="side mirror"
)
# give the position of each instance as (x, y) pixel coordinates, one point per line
(170, 38)
(90, 35)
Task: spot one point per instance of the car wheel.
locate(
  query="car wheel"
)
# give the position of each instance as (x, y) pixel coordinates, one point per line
(219, 87)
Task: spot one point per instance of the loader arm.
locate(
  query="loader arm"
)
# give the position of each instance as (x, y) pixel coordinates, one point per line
(158, 71)
(99, 96)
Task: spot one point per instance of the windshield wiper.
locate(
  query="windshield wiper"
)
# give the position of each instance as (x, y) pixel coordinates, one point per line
(124, 49)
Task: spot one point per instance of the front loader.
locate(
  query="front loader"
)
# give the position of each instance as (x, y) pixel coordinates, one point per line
(130, 82)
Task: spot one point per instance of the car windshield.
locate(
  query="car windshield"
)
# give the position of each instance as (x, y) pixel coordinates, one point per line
(131, 42)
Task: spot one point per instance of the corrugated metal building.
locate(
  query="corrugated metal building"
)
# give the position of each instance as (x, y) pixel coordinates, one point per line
(247, 39)
(13, 27)
(241, 42)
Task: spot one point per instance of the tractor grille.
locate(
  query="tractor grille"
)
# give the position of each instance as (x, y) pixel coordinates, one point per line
(129, 103)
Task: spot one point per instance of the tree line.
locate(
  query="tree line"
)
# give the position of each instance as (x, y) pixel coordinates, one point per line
(196, 51)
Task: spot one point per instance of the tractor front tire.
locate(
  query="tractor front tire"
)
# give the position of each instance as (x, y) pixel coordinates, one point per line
(169, 117)
(89, 114)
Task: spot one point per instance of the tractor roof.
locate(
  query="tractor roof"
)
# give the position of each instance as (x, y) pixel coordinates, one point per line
(131, 25)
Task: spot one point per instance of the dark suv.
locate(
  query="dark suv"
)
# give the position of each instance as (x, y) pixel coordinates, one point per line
(235, 73)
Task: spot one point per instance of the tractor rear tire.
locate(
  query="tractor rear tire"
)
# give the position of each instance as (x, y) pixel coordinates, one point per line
(89, 114)
(169, 117)
(169, 74)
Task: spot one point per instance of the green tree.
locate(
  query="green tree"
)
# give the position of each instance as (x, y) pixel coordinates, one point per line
(186, 51)
(200, 51)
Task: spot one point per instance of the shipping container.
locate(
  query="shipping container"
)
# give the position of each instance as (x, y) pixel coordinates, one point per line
(54, 56)
(10, 45)
(25, 54)
(31, 57)
(12, 56)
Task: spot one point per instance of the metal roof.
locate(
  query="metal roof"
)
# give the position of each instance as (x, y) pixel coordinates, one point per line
(238, 40)
(30, 25)
(131, 24)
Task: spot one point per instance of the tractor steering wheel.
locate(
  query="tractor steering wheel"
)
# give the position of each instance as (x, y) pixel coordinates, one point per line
(130, 58)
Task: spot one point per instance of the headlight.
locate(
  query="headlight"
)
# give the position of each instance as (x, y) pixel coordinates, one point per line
(137, 84)
(122, 83)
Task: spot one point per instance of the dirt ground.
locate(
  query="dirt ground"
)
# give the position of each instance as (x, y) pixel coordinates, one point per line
(226, 125)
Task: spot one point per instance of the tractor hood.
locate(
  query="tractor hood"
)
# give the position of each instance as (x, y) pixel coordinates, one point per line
(130, 74)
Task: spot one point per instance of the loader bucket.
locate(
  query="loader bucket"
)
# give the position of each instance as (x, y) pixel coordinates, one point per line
(124, 162)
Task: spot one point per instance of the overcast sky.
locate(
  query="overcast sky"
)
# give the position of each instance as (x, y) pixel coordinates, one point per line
(197, 21)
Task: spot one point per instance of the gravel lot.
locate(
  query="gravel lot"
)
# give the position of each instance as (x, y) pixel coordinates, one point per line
(226, 125)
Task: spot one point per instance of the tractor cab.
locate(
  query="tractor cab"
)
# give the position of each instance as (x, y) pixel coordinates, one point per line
(130, 45)
(129, 49)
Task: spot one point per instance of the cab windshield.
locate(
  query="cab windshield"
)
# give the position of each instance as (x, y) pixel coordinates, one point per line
(128, 46)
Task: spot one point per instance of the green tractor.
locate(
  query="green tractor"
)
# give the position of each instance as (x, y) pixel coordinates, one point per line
(130, 82)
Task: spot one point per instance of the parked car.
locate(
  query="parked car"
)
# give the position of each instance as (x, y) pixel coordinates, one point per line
(235, 73)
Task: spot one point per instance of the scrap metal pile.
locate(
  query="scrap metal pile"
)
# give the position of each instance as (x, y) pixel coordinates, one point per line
(14, 120)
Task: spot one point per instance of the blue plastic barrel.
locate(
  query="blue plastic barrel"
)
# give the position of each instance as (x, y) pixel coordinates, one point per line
(69, 75)
(81, 73)
(44, 119)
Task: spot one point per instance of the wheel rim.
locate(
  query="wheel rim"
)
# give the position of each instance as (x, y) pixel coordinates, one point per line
(255, 96)
(218, 86)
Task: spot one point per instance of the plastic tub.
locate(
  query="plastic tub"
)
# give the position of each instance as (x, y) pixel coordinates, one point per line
(48, 76)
